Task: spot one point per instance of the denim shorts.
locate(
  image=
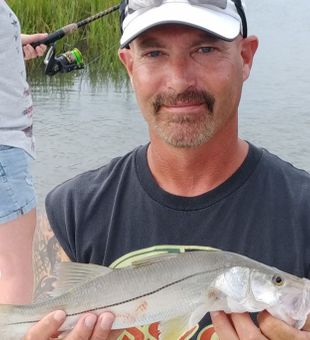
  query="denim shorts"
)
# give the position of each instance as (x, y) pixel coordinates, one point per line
(17, 196)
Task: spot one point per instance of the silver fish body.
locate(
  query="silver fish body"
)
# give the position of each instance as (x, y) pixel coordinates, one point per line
(167, 288)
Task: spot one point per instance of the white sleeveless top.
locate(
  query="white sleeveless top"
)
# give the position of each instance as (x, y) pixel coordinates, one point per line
(15, 98)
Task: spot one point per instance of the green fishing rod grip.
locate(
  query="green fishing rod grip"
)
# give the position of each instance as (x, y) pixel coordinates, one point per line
(52, 37)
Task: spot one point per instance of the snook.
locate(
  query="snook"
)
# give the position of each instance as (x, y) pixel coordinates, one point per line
(175, 290)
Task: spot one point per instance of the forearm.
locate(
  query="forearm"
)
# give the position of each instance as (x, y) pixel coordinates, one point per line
(46, 253)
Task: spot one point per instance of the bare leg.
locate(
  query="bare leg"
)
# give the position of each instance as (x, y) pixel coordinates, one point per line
(16, 274)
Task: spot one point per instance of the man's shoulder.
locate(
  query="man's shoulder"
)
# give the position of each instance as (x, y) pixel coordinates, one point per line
(282, 176)
(88, 182)
(278, 166)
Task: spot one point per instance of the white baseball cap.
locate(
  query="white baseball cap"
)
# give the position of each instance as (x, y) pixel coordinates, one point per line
(222, 18)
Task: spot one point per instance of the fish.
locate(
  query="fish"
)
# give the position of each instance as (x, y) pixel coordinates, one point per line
(176, 290)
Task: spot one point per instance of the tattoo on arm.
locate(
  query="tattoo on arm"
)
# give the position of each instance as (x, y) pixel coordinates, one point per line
(46, 253)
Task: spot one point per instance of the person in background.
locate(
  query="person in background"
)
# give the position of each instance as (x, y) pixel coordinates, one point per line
(196, 182)
(17, 149)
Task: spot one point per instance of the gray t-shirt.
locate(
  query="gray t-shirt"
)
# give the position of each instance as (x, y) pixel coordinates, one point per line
(262, 211)
(15, 98)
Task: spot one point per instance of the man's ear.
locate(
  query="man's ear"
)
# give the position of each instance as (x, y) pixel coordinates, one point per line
(248, 49)
(125, 56)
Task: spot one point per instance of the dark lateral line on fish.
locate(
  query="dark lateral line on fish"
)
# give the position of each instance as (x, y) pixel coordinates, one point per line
(123, 302)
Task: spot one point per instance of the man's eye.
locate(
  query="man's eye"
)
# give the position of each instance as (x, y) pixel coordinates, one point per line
(205, 49)
(153, 54)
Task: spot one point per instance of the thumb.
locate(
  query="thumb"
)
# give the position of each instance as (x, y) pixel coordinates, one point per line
(31, 38)
(306, 326)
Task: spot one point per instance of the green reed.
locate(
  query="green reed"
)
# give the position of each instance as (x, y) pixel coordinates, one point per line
(98, 41)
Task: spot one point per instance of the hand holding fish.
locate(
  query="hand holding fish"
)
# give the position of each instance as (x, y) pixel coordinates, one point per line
(236, 326)
(89, 327)
(239, 326)
(276, 329)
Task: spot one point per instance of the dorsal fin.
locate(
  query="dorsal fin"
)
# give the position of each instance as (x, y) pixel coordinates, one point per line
(71, 274)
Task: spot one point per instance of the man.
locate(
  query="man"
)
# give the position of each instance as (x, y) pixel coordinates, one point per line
(196, 182)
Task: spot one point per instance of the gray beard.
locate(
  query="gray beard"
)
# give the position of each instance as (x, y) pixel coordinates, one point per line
(186, 132)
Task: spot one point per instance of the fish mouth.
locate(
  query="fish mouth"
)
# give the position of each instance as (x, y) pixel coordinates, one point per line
(304, 308)
(294, 304)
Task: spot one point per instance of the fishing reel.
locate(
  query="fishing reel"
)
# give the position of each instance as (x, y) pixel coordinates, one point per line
(64, 63)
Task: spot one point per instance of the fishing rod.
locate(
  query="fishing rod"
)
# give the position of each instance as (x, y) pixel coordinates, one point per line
(68, 29)
(71, 60)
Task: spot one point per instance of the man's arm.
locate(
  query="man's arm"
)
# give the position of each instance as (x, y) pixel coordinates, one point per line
(46, 253)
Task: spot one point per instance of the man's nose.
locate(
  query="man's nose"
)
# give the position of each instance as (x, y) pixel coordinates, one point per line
(181, 74)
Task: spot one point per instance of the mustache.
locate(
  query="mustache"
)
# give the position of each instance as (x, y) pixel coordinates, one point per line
(187, 97)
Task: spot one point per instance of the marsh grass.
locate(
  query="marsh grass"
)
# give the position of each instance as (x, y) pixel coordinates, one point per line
(98, 41)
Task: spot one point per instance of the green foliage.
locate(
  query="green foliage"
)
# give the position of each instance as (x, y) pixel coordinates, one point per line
(98, 41)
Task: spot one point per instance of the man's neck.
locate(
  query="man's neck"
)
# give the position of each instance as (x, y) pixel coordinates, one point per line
(192, 172)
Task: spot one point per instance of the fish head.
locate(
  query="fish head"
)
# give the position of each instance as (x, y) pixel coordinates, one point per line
(266, 287)
(233, 286)
(285, 296)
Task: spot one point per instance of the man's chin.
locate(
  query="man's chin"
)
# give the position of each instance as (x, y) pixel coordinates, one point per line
(186, 142)
(184, 134)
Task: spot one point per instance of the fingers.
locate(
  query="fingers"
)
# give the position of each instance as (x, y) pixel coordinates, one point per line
(245, 327)
(31, 53)
(276, 329)
(91, 327)
(223, 326)
(47, 327)
(103, 327)
(40, 50)
(307, 324)
(235, 327)
(84, 328)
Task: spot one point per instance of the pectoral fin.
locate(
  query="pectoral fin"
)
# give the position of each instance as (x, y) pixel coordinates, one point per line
(175, 328)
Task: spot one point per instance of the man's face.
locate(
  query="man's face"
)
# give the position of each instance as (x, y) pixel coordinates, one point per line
(187, 83)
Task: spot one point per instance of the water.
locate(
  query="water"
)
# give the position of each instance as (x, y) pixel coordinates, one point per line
(275, 110)
(84, 126)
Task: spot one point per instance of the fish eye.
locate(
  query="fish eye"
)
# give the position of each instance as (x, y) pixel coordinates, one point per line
(277, 280)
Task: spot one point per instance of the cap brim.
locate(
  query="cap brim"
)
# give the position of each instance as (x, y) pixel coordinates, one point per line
(214, 22)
